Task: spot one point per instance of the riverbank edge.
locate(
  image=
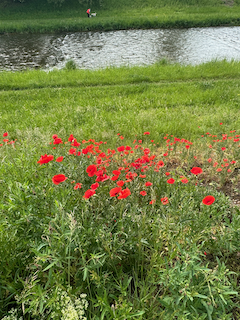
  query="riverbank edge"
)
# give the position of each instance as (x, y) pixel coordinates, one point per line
(163, 71)
(120, 23)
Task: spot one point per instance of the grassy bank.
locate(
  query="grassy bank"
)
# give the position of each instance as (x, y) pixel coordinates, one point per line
(163, 71)
(34, 96)
(118, 193)
(71, 16)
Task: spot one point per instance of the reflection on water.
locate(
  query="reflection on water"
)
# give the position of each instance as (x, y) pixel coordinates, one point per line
(91, 50)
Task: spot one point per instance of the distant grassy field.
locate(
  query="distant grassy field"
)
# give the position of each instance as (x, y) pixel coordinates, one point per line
(40, 16)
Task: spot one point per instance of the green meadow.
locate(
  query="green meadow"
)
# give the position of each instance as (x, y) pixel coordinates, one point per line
(120, 193)
(42, 16)
(165, 97)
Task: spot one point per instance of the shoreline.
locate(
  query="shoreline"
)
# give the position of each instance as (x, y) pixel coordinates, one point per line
(164, 18)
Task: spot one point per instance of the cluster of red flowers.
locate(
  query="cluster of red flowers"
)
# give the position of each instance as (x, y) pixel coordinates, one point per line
(132, 163)
(99, 170)
(5, 140)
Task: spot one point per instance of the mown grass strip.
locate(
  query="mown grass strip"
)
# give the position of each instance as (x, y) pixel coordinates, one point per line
(162, 71)
(185, 108)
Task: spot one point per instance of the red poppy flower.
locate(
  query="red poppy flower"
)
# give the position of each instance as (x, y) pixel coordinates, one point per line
(91, 170)
(167, 173)
(59, 178)
(45, 159)
(89, 193)
(95, 185)
(146, 133)
(59, 159)
(131, 175)
(187, 146)
(152, 201)
(75, 143)
(85, 151)
(116, 172)
(5, 134)
(72, 151)
(71, 138)
(160, 163)
(170, 181)
(120, 183)
(115, 191)
(114, 178)
(164, 200)
(124, 193)
(196, 170)
(120, 149)
(148, 184)
(223, 148)
(57, 141)
(143, 193)
(185, 180)
(208, 200)
(102, 177)
(77, 186)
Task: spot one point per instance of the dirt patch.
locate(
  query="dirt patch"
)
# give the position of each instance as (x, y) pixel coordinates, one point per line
(228, 3)
(232, 191)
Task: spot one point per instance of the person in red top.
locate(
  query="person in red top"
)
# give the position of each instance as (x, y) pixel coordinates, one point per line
(88, 12)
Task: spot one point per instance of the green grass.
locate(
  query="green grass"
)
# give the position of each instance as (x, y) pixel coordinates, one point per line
(106, 101)
(43, 17)
(174, 258)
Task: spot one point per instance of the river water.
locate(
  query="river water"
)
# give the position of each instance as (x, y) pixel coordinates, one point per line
(93, 50)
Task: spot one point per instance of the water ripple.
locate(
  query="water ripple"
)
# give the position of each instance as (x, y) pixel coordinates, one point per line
(93, 50)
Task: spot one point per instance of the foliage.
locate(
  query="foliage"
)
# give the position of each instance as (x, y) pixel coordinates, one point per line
(70, 65)
(94, 231)
(57, 2)
(156, 236)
